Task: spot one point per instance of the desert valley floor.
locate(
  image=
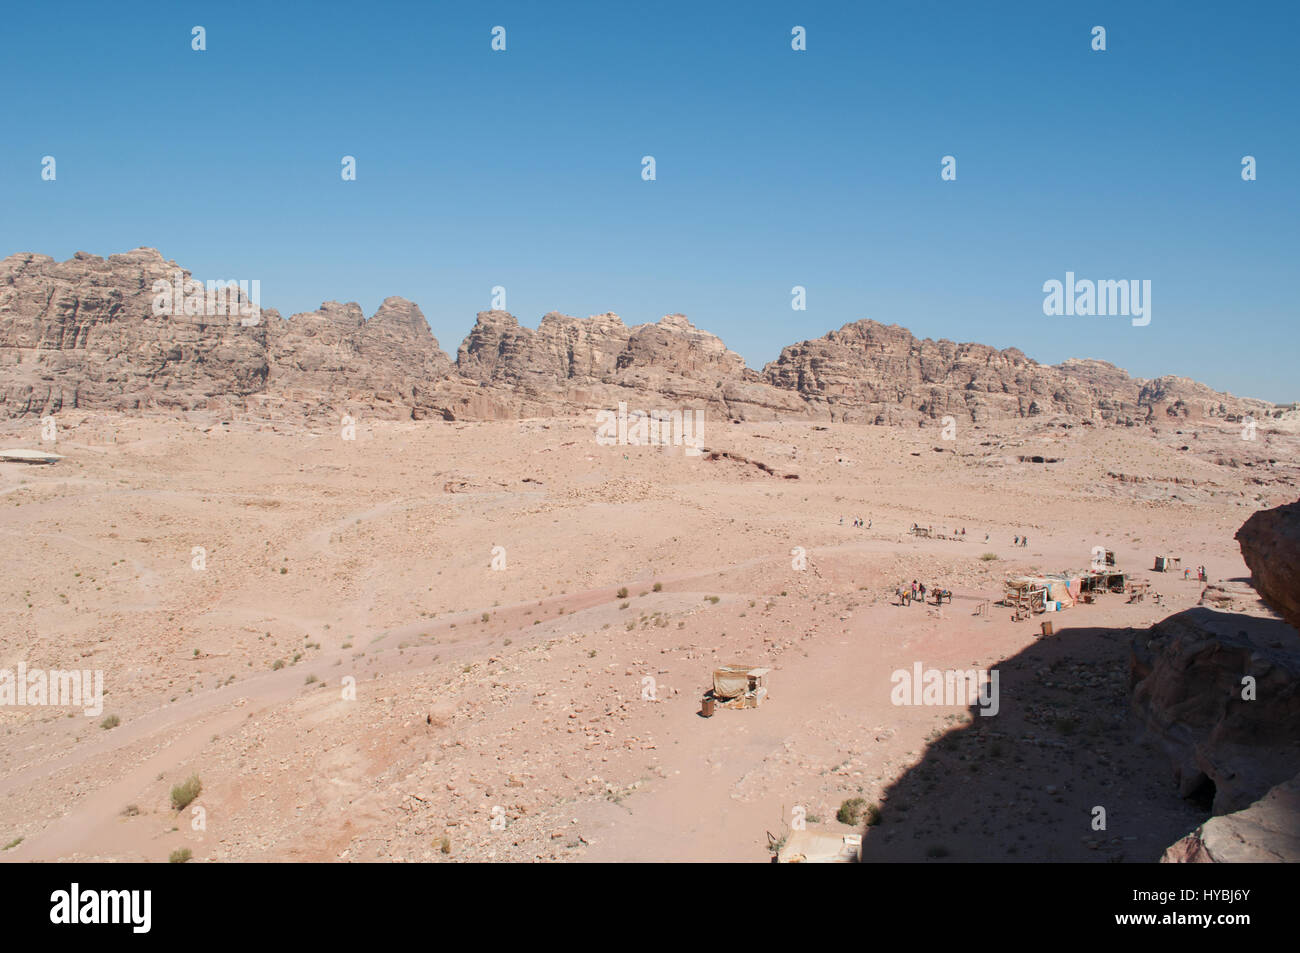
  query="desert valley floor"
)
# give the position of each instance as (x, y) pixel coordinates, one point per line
(535, 693)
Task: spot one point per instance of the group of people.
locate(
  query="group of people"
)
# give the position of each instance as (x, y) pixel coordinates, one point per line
(907, 595)
(1020, 540)
(858, 523)
(1200, 574)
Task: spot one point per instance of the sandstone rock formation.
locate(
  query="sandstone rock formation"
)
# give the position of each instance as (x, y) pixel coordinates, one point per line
(1266, 832)
(83, 333)
(867, 372)
(1187, 691)
(391, 359)
(1270, 544)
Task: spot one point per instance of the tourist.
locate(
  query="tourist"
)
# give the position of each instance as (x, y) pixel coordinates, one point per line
(1017, 541)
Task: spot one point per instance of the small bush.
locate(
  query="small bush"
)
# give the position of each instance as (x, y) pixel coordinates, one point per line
(622, 592)
(713, 599)
(850, 811)
(277, 665)
(180, 855)
(112, 721)
(989, 557)
(311, 679)
(13, 843)
(658, 587)
(872, 815)
(186, 791)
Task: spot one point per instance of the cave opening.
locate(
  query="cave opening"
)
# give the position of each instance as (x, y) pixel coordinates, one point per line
(1202, 796)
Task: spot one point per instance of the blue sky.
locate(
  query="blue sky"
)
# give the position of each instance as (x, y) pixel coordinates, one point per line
(775, 168)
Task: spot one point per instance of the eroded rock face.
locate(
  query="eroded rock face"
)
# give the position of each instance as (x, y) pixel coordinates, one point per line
(389, 363)
(82, 333)
(577, 363)
(870, 372)
(1267, 831)
(1270, 544)
(1186, 680)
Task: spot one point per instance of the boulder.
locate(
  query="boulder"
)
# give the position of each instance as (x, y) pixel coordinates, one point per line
(1270, 544)
(1267, 831)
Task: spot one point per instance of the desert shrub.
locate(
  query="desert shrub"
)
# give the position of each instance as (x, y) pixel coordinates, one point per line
(989, 557)
(658, 587)
(112, 721)
(186, 791)
(850, 811)
(622, 592)
(180, 855)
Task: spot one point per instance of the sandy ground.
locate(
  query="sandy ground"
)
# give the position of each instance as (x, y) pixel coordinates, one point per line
(353, 680)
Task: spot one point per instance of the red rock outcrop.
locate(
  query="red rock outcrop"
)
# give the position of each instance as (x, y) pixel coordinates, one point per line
(1188, 691)
(1267, 831)
(1270, 544)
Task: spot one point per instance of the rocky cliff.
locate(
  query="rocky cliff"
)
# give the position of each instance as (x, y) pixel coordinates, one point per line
(87, 332)
(1270, 544)
(868, 372)
(1266, 832)
(83, 333)
(1218, 687)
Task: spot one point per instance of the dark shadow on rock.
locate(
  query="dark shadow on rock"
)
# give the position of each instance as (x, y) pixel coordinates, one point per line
(1036, 781)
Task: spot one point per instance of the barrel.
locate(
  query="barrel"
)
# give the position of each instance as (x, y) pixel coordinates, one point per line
(706, 707)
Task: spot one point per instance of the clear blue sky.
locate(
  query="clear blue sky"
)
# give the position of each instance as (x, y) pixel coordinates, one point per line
(775, 168)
